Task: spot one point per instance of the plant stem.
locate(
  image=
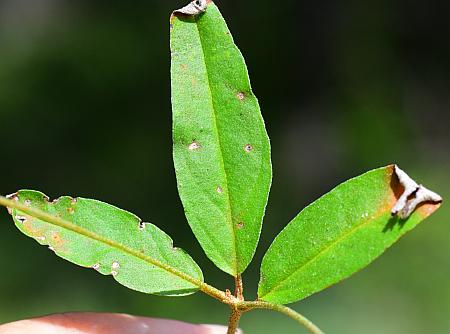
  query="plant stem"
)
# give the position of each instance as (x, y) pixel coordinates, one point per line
(236, 313)
(247, 306)
(233, 322)
(239, 288)
(53, 220)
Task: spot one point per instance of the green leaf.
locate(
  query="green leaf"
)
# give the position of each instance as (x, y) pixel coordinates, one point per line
(110, 240)
(221, 148)
(335, 236)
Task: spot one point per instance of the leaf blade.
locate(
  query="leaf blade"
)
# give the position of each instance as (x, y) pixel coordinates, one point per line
(142, 259)
(323, 247)
(221, 148)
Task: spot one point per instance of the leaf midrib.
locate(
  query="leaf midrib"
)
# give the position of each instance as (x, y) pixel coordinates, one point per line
(53, 220)
(222, 162)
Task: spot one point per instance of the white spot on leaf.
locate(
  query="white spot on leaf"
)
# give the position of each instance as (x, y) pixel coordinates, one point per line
(96, 266)
(21, 219)
(240, 96)
(248, 148)
(115, 265)
(194, 146)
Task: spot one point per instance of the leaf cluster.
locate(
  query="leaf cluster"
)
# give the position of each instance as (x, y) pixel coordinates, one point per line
(222, 159)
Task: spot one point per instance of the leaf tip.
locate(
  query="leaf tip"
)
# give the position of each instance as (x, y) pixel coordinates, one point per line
(411, 196)
(427, 209)
(12, 197)
(194, 8)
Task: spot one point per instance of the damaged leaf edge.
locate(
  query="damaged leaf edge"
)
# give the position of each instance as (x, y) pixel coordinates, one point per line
(413, 195)
(58, 221)
(195, 7)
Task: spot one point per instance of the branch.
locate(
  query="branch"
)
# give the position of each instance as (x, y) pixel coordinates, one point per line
(247, 306)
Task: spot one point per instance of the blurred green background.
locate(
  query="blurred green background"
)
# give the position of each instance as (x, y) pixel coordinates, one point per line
(345, 86)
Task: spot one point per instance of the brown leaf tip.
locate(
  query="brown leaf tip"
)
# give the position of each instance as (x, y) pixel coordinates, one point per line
(413, 195)
(12, 197)
(196, 7)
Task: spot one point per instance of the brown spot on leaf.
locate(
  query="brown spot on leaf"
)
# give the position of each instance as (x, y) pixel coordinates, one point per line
(184, 67)
(240, 96)
(31, 230)
(56, 240)
(240, 225)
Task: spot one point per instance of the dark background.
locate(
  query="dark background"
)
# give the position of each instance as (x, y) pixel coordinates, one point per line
(345, 86)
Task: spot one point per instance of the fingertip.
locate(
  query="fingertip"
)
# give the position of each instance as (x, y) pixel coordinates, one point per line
(29, 326)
